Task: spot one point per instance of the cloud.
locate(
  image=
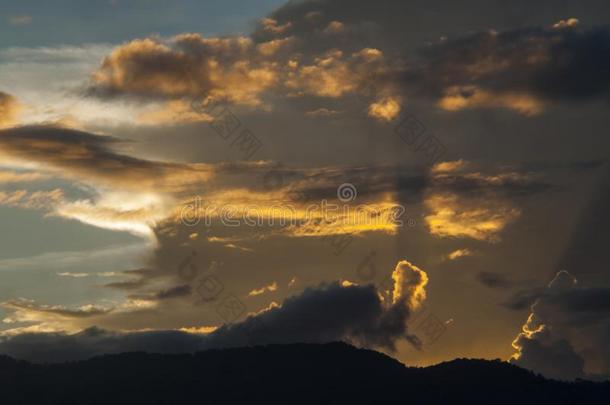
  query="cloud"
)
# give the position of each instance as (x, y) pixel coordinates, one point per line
(40, 317)
(271, 25)
(236, 70)
(322, 112)
(188, 65)
(521, 69)
(59, 346)
(240, 189)
(455, 216)
(10, 176)
(20, 19)
(567, 331)
(9, 108)
(409, 284)
(268, 288)
(128, 193)
(466, 201)
(172, 113)
(386, 109)
(462, 97)
(90, 158)
(459, 253)
(37, 200)
(329, 312)
(64, 259)
(32, 308)
(73, 275)
(321, 52)
(570, 22)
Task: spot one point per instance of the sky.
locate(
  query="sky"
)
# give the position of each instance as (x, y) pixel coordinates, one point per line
(424, 178)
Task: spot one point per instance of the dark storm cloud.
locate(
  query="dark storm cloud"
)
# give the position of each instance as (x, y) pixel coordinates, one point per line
(325, 314)
(522, 300)
(567, 333)
(553, 358)
(594, 301)
(555, 63)
(396, 24)
(59, 347)
(333, 49)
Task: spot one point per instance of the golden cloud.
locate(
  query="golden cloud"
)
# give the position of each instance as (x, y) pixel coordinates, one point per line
(36, 200)
(569, 23)
(9, 108)
(271, 25)
(49, 318)
(456, 254)
(259, 291)
(455, 216)
(409, 283)
(235, 70)
(189, 65)
(462, 97)
(9, 176)
(274, 213)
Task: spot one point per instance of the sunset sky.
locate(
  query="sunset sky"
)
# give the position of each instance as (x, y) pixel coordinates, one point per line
(429, 179)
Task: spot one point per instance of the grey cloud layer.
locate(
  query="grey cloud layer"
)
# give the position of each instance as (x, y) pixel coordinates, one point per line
(325, 314)
(83, 156)
(521, 69)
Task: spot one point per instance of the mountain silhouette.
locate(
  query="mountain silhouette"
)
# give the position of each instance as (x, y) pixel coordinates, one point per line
(333, 373)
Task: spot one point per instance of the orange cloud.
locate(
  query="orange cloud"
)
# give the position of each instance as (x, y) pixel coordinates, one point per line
(9, 108)
(386, 109)
(38, 200)
(8, 176)
(409, 283)
(268, 288)
(462, 97)
(456, 254)
(480, 219)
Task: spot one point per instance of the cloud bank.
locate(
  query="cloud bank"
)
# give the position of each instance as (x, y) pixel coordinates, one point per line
(331, 312)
